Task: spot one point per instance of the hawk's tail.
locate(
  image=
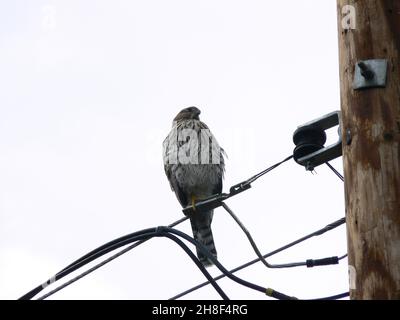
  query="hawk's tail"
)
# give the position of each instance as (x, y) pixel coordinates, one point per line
(201, 227)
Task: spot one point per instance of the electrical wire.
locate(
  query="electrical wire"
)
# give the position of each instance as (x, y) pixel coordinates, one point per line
(157, 232)
(144, 235)
(183, 246)
(251, 240)
(166, 232)
(335, 171)
(258, 175)
(319, 232)
(198, 263)
(216, 200)
(270, 292)
(161, 231)
(88, 258)
(309, 263)
(136, 236)
(233, 191)
(141, 240)
(70, 268)
(122, 251)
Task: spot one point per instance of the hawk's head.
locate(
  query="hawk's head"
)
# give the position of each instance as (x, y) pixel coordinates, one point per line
(191, 113)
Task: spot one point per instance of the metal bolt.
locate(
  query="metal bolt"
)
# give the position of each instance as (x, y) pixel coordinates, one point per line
(366, 72)
(309, 166)
(348, 137)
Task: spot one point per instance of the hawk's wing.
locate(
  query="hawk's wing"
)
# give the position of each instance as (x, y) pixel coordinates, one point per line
(169, 172)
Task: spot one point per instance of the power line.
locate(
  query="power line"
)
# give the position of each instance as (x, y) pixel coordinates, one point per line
(258, 175)
(168, 232)
(268, 291)
(215, 199)
(147, 234)
(309, 263)
(319, 232)
(70, 268)
(335, 171)
(144, 235)
(159, 232)
(122, 251)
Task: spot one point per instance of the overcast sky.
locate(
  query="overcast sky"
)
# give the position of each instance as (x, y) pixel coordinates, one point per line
(88, 91)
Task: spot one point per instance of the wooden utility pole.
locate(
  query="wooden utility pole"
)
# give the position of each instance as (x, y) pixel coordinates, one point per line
(370, 29)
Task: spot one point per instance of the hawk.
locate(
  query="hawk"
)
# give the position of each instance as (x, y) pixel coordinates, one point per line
(194, 165)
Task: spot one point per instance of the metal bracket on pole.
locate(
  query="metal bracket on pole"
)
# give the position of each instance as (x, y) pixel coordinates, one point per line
(310, 138)
(370, 74)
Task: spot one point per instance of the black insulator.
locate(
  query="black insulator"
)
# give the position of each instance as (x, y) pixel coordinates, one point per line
(308, 140)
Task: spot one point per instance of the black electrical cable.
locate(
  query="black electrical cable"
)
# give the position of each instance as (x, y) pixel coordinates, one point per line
(146, 235)
(157, 233)
(164, 231)
(335, 171)
(161, 231)
(70, 268)
(86, 256)
(309, 263)
(258, 175)
(343, 256)
(313, 234)
(112, 245)
(314, 263)
(198, 263)
(323, 262)
(215, 201)
(233, 191)
(268, 291)
(82, 261)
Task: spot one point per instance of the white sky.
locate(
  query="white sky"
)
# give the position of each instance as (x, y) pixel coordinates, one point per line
(88, 90)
